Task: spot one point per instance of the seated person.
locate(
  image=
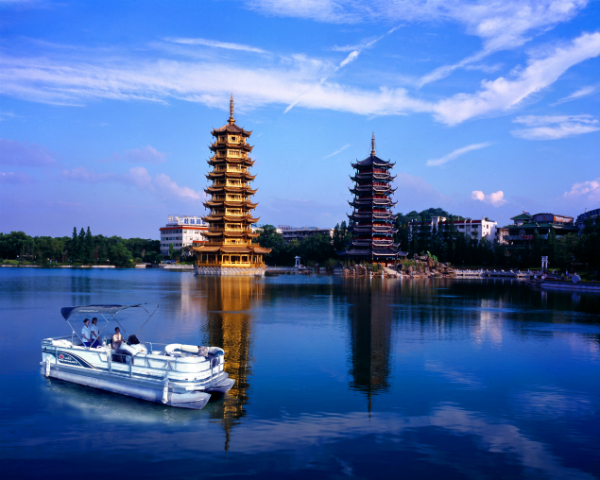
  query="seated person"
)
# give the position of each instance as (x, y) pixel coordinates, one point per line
(575, 278)
(117, 339)
(86, 334)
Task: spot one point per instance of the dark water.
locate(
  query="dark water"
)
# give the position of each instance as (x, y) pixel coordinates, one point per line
(335, 378)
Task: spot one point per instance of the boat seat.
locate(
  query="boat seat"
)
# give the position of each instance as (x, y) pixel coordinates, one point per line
(62, 343)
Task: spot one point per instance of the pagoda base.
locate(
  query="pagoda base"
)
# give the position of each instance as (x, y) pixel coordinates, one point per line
(229, 271)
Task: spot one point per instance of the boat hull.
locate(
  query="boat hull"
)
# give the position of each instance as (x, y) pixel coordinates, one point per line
(149, 390)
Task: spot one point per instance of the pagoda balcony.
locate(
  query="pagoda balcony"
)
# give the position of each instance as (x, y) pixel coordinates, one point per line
(377, 176)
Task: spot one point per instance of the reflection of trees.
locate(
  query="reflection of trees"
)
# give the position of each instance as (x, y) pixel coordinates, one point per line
(370, 315)
(229, 326)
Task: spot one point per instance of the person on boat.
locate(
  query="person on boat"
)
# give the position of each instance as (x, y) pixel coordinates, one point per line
(117, 339)
(95, 333)
(575, 278)
(85, 333)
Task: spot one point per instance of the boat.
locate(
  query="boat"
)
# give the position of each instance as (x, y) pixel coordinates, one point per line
(177, 375)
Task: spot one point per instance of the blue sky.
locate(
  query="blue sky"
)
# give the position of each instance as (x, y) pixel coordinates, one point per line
(487, 108)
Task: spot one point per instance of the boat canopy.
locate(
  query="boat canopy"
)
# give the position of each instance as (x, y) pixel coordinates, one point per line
(66, 312)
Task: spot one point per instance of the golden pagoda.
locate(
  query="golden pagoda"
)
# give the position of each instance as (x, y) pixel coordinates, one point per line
(230, 250)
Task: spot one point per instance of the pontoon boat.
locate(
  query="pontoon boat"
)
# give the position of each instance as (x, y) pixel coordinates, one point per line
(176, 375)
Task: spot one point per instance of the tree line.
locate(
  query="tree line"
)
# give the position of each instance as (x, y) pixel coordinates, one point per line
(79, 248)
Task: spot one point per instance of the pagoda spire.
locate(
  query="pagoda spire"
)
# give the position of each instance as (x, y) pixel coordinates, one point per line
(231, 119)
(373, 145)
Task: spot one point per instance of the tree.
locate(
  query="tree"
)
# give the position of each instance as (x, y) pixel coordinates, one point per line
(81, 246)
(88, 246)
(119, 255)
(171, 250)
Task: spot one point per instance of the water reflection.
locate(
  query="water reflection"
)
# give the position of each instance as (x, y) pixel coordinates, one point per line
(229, 326)
(370, 312)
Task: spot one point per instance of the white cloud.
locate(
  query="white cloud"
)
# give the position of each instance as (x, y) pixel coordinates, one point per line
(502, 94)
(24, 154)
(161, 185)
(553, 127)
(351, 57)
(582, 92)
(337, 151)
(590, 190)
(295, 80)
(216, 44)
(496, 199)
(501, 25)
(456, 153)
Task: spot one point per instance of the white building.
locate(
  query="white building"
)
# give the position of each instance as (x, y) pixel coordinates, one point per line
(293, 233)
(181, 231)
(476, 229)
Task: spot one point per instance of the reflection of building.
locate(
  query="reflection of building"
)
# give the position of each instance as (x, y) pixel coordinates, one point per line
(181, 231)
(370, 317)
(230, 250)
(229, 326)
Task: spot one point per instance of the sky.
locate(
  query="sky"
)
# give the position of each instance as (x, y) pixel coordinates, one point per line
(487, 108)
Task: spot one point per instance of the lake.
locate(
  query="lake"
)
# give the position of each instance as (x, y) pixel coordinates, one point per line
(334, 378)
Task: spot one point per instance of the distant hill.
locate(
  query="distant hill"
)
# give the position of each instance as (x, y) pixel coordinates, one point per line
(426, 215)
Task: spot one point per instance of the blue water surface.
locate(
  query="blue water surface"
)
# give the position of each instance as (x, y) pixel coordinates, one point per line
(334, 378)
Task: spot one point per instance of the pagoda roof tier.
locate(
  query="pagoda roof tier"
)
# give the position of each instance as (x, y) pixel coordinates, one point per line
(253, 248)
(371, 161)
(214, 160)
(372, 189)
(359, 202)
(377, 252)
(374, 229)
(375, 176)
(231, 128)
(231, 234)
(245, 205)
(374, 216)
(241, 146)
(244, 175)
(229, 189)
(230, 219)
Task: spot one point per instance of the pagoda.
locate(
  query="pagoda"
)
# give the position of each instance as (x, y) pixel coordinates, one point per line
(229, 250)
(372, 222)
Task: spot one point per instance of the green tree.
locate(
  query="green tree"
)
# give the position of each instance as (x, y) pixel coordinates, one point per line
(119, 255)
(171, 250)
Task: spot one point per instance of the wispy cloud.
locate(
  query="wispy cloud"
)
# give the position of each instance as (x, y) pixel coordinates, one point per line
(215, 44)
(292, 82)
(25, 154)
(582, 92)
(456, 153)
(500, 25)
(337, 151)
(502, 94)
(553, 127)
(496, 199)
(353, 55)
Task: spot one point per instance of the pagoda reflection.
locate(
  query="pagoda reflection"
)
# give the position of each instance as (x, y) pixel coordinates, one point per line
(370, 316)
(229, 326)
